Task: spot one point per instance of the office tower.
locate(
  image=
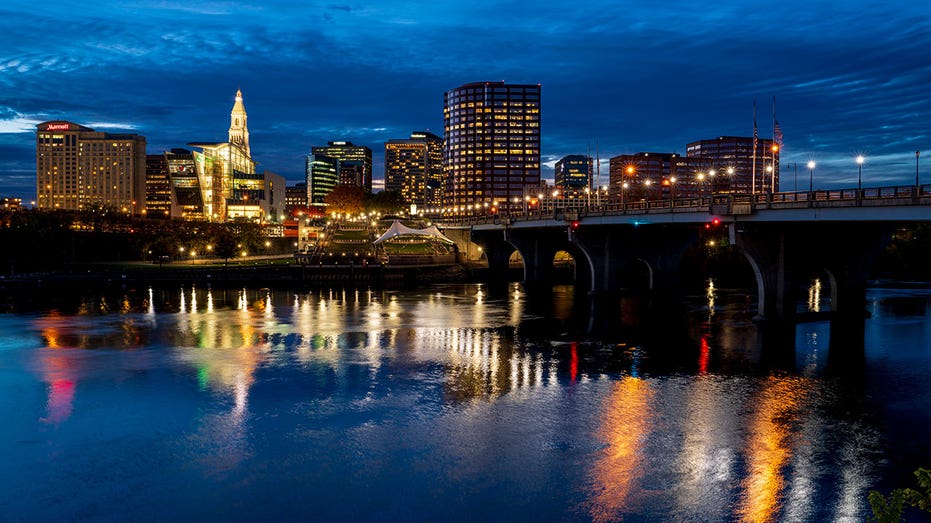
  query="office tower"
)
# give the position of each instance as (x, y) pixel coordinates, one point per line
(322, 175)
(574, 172)
(732, 160)
(492, 142)
(414, 167)
(157, 187)
(77, 168)
(351, 173)
(348, 152)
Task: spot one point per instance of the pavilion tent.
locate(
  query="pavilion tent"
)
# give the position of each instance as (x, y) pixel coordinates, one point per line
(398, 229)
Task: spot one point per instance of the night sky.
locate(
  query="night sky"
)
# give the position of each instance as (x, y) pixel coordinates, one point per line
(849, 77)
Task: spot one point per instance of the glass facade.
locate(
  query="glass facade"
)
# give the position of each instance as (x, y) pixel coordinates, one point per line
(574, 172)
(492, 142)
(322, 175)
(349, 152)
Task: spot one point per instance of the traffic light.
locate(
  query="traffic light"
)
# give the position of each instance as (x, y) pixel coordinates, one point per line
(574, 225)
(715, 222)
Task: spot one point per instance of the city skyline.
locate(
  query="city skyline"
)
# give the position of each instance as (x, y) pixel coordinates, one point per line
(845, 83)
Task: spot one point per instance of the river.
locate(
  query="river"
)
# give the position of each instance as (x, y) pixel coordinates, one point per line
(452, 403)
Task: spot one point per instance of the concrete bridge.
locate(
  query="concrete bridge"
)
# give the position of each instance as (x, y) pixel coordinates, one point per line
(784, 236)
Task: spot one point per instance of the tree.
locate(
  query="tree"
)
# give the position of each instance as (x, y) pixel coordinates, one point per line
(891, 509)
(345, 199)
(386, 202)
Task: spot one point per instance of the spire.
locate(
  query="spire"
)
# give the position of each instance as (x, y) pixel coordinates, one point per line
(239, 130)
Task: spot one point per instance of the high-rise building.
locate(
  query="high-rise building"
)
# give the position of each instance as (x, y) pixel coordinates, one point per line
(735, 154)
(322, 175)
(348, 152)
(218, 164)
(574, 172)
(157, 187)
(492, 142)
(187, 197)
(414, 167)
(77, 167)
(351, 173)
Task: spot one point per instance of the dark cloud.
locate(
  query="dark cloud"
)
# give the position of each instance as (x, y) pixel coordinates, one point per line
(847, 78)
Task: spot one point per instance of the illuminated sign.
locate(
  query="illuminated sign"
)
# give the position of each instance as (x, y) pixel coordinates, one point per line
(58, 127)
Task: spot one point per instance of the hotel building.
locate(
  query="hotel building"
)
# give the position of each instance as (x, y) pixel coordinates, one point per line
(492, 142)
(77, 167)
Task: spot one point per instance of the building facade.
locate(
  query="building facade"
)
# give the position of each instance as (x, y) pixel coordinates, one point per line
(322, 175)
(414, 167)
(77, 168)
(295, 197)
(348, 152)
(220, 164)
(574, 172)
(736, 168)
(157, 187)
(492, 142)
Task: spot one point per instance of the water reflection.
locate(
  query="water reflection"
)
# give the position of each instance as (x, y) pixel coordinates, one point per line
(627, 422)
(658, 418)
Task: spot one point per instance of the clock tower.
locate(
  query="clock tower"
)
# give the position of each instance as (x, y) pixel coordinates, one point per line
(239, 131)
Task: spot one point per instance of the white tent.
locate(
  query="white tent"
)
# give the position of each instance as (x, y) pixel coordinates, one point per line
(398, 229)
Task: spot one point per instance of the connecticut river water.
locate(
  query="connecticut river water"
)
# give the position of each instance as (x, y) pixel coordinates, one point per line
(452, 403)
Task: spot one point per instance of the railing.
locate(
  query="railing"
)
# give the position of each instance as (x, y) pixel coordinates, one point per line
(724, 204)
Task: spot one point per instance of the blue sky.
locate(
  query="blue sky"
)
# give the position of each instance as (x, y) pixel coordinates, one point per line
(849, 77)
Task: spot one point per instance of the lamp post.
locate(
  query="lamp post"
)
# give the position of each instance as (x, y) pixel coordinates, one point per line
(860, 160)
(624, 187)
(917, 154)
(811, 175)
(701, 184)
(648, 183)
(730, 178)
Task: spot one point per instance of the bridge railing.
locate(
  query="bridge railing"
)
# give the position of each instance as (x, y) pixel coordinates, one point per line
(723, 204)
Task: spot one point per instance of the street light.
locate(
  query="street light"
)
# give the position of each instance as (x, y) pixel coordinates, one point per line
(730, 177)
(917, 154)
(811, 174)
(701, 183)
(624, 187)
(860, 160)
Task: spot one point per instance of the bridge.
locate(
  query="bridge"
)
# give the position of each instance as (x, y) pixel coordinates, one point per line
(784, 236)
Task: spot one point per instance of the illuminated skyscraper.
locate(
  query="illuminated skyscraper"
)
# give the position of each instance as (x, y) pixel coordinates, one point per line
(157, 187)
(414, 167)
(492, 142)
(348, 152)
(322, 175)
(77, 167)
(574, 172)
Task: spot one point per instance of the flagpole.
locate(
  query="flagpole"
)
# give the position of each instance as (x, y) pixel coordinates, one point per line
(753, 172)
(772, 150)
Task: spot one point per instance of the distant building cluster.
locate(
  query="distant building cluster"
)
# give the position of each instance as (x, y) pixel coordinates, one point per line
(488, 157)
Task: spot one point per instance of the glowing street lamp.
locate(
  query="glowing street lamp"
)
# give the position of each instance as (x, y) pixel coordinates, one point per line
(811, 174)
(624, 187)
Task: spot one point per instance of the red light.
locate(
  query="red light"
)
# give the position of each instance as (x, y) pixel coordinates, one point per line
(707, 225)
(574, 225)
(716, 222)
